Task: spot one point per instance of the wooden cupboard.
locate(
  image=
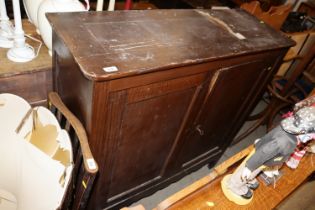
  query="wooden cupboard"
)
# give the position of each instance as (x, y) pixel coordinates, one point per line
(161, 93)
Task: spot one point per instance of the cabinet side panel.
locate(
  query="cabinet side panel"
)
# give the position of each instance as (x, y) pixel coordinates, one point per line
(68, 81)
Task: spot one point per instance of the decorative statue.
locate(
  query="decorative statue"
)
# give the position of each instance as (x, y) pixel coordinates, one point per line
(271, 150)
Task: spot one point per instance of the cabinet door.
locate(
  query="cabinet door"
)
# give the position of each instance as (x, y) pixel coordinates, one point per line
(229, 91)
(145, 127)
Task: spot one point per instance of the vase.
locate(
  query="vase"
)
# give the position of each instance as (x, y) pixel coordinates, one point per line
(54, 6)
(31, 8)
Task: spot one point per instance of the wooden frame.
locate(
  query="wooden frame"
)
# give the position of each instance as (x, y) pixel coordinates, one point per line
(85, 168)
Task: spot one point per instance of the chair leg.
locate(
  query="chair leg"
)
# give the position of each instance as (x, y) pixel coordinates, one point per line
(258, 123)
(266, 114)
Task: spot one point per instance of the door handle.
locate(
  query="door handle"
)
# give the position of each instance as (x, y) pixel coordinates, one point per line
(200, 130)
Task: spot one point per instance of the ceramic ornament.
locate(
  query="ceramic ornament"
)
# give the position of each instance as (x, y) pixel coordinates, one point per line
(55, 6)
(31, 8)
(111, 5)
(6, 28)
(20, 52)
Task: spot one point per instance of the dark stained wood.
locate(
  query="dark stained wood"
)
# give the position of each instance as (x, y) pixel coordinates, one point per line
(133, 41)
(31, 80)
(183, 88)
(308, 8)
(33, 86)
(135, 6)
(212, 123)
(203, 4)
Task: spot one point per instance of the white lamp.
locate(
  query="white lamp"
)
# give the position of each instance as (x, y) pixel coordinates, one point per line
(6, 29)
(20, 52)
(111, 5)
(55, 6)
(100, 3)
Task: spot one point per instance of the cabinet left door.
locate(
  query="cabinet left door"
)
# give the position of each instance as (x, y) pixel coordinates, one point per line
(145, 122)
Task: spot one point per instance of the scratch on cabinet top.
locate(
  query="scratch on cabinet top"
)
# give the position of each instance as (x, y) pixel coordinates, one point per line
(153, 40)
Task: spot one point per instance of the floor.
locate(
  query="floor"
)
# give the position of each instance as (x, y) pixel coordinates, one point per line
(302, 199)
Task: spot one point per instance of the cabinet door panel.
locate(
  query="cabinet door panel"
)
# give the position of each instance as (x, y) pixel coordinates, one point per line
(226, 99)
(150, 120)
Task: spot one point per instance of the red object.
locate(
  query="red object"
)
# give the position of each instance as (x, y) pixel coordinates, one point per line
(128, 4)
(288, 114)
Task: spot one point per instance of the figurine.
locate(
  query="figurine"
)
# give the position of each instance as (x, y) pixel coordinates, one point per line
(271, 150)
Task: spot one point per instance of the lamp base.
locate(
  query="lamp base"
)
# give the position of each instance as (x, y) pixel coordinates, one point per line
(6, 42)
(21, 54)
(237, 199)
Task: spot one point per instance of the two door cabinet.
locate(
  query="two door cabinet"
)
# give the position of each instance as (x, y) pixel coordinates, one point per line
(162, 92)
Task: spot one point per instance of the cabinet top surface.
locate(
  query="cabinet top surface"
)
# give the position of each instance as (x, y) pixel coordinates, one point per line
(140, 41)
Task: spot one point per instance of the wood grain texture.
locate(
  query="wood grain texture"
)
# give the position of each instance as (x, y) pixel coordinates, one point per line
(33, 86)
(265, 197)
(141, 50)
(218, 170)
(158, 118)
(157, 89)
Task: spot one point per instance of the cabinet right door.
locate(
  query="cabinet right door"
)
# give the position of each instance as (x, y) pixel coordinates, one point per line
(228, 96)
